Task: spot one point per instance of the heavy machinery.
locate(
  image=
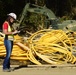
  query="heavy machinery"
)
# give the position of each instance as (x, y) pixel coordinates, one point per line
(51, 19)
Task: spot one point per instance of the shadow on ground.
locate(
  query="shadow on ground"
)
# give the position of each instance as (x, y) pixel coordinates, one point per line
(21, 66)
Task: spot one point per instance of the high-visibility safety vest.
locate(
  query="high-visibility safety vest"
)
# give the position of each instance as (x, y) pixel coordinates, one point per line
(10, 36)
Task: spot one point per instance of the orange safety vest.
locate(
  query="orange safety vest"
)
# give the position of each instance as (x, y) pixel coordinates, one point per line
(11, 36)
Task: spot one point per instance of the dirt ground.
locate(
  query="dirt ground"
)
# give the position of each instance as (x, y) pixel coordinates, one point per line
(41, 70)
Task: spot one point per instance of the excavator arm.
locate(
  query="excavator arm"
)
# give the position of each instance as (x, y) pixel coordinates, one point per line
(49, 14)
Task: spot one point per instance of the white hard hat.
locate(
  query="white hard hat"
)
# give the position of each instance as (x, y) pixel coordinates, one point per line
(13, 15)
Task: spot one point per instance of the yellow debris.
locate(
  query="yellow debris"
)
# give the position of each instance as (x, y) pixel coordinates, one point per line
(45, 46)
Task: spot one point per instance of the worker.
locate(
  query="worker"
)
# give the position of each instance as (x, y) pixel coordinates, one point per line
(9, 32)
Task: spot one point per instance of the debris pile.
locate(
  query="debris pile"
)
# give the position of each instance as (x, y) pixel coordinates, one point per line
(43, 47)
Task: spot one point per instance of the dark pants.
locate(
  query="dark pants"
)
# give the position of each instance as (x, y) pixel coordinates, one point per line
(8, 45)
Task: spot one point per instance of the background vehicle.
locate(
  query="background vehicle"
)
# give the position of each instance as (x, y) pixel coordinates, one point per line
(51, 20)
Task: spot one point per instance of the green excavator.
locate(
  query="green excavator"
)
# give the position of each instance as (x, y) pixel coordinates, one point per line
(54, 22)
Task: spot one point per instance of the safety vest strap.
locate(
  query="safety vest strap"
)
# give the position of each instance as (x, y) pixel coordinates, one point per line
(11, 36)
